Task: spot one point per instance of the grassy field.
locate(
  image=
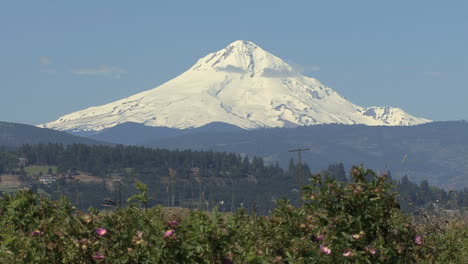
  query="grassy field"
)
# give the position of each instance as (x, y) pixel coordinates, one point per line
(36, 170)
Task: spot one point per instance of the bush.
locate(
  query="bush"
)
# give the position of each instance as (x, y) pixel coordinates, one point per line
(357, 222)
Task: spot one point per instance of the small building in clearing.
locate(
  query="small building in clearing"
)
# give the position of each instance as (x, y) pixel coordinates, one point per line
(47, 179)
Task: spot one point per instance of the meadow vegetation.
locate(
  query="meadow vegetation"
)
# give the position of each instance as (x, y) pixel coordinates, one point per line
(352, 222)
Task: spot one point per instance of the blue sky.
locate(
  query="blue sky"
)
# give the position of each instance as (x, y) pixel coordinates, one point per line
(57, 57)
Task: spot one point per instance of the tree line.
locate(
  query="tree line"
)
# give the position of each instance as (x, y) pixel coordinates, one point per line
(200, 179)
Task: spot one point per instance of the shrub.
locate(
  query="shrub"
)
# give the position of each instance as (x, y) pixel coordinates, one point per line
(358, 222)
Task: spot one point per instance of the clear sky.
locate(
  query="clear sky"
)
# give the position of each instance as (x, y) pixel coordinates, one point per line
(57, 57)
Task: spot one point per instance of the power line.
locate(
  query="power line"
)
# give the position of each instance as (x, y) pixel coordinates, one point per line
(299, 151)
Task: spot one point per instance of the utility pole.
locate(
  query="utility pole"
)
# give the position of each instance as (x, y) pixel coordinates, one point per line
(299, 151)
(120, 194)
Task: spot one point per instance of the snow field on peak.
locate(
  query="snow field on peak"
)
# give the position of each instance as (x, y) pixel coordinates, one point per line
(241, 85)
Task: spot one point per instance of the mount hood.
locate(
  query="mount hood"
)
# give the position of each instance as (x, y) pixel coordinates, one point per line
(242, 85)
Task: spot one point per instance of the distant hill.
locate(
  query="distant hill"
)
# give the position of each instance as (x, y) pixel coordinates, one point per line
(435, 151)
(137, 134)
(14, 135)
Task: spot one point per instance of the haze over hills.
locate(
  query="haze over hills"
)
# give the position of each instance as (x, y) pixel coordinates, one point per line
(242, 85)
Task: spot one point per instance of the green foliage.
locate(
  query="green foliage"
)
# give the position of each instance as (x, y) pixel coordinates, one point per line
(141, 196)
(193, 179)
(361, 217)
(357, 222)
(445, 237)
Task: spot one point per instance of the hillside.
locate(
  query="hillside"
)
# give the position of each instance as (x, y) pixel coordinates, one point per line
(435, 151)
(138, 134)
(88, 174)
(14, 135)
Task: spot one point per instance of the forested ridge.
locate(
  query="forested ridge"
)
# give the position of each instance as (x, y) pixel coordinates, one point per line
(195, 179)
(15, 135)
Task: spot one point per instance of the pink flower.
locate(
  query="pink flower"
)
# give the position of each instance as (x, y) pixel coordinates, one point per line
(318, 238)
(370, 250)
(418, 240)
(169, 233)
(325, 250)
(173, 223)
(36, 233)
(348, 253)
(101, 231)
(98, 255)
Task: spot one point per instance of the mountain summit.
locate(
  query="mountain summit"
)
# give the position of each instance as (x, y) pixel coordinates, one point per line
(242, 85)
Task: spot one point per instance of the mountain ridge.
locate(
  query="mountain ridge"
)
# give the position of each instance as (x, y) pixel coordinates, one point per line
(16, 134)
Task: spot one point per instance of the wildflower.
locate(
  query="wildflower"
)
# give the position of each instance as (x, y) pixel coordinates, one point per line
(36, 233)
(101, 231)
(358, 236)
(348, 253)
(138, 238)
(87, 218)
(83, 243)
(418, 240)
(370, 250)
(52, 245)
(278, 259)
(98, 256)
(169, 233)
(400, 249)
(325, 250)
(173, 223)
(137, 241)
(318, 238)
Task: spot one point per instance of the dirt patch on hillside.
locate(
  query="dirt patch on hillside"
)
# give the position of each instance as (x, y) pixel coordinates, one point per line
(9, 180)
(86, 178)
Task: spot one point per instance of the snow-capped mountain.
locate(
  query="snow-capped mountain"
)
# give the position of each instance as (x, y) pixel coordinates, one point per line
(241, 84)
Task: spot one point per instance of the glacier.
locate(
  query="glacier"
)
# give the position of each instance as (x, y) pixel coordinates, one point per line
(242, 85)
